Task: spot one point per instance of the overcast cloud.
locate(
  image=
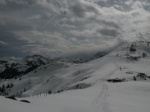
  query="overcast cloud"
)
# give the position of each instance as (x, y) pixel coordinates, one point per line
(56, 27)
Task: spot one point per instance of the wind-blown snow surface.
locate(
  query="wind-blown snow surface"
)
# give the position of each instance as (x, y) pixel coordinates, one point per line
(101, 96)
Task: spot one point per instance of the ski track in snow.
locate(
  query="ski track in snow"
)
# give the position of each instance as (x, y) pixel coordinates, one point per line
(100, 104)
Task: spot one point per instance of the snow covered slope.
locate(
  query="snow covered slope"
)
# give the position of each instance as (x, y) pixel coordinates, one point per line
(118, 82)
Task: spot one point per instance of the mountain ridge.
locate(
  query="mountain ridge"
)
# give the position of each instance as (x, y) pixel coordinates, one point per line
(61, 76)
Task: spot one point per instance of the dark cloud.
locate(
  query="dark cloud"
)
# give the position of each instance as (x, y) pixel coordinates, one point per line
(11, 38)
(10, 45)
(107, 32)
(15, 26)
(15, 5)
(77, 9)
(10, 51)
(111, 23)
(55, 27)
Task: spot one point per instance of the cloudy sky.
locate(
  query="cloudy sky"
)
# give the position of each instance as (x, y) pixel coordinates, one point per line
(56, 27)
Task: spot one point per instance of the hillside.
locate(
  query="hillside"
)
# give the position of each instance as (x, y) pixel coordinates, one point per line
(117, 82)
(37, 74)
